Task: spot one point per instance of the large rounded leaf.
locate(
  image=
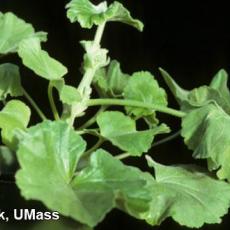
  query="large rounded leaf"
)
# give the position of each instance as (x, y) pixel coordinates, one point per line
(187, 194)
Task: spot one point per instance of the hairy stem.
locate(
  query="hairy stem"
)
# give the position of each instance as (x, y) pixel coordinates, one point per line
(89, 74)
(52, 103)
(99, 33)
(132, 103)
(34, 105)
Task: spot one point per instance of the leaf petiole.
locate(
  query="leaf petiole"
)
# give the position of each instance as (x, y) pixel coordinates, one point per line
(52, 103)
(95, 147)
(35, 106)
(167, 139)
(122, 156)
(122, 102)
(92, 120)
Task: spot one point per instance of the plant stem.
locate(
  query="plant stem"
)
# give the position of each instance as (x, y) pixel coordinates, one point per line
(92, 120)
(52, 103)
(169, 138)
(89, 74)
(173, 112)
(35, 106)
(99, 33)
(95, 147)
(122, 156)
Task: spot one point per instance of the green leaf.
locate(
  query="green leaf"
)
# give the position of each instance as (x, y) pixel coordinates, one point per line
(48, 155)
(68, 94)
(111, 81)
(118, 13)
(15, 115)
(220, 84)
(206, 130)
(13, 30)
(204, 95)
(179, 93)
(88, 14)
(59, 225)
(39, 61)
(10, 82)
(108, 183)
(121, 131)
(7, 159)
(144, 88)
(187, 194)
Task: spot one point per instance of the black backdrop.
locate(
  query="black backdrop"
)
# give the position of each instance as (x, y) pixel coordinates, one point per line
(191, 40)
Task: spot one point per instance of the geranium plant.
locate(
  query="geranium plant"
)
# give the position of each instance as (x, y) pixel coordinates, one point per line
(61, 169)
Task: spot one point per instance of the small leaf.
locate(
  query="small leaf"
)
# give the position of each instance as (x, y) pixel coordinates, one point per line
(204, 95)
(144, 88)
(88, 14)
(13, 30)
(187, 194)
(179, 93)
(15, 115)
(39, 61)
(220, 84)
(206, 130)
(121, 131)
(111, 81)
(10, 82)
(118, 13)
(68, 94)
(220, 81)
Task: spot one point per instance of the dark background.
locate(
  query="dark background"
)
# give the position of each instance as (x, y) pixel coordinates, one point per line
(190, 40)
